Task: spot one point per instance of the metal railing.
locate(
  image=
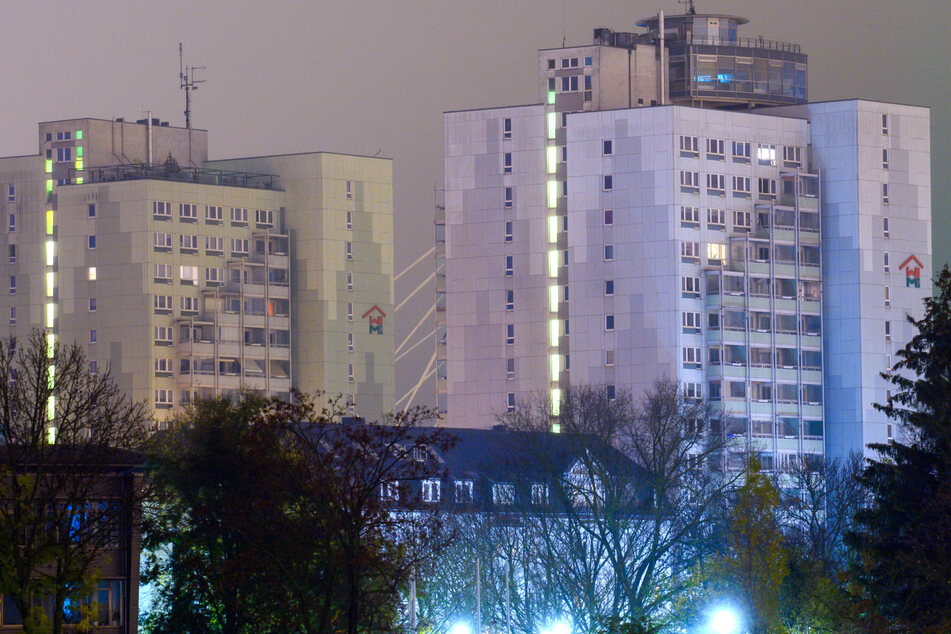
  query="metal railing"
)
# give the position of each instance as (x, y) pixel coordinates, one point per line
(174, 172)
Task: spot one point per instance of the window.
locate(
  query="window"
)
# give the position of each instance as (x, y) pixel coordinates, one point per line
(888, 330)
(163, 334)
(690, 251)
(510, 402)
(349, 311)
(715, 149)
(508, 197)
(609, 322)
(885, 232)
(239, 215)
(609, 357)
(716, 184)
(885, 257)
(189, 304)
(214, 275)
(509, 300)
(430, 490)
(13, 284)
(12, 250)
(349, 187)
(509, 270)
(888, 301)
(506, 128)
(161, 210)
(13, 315)
(885, 193)
(689, 146)
(507, 163)
(349, 342)
(611, 392)
(716, 253)
(188, 211)
(510, 368)
(689, 181)
(691, 321)
(792, 156)
(689, 215)
(609, 287)
(741, 152)
(163, 272)
(607, 147)
(91, 242)
(64, 154)
(350, 372)
(162, 302)
(503, 493)
(741, 220)
(12, 226)
(92, 336)
(539, 494)
(690, 285)
(11, 194)
(349, 249)
(608, 216)
(264, 217)
(884, 124)
(766, 154)
(215, 244)
(162, 240)
(463, 491)
(716, 219)
(188, 242)
(608, 182)
(188, 274)
(91, 210)
(692, 357)
(508, 231)
(693, 391)
(767, 188)
(509, 334)
(349, 281)
(239, 246)
(91, 274)
(163, 396)
(608, 252)
(569, 84)
(213, 214)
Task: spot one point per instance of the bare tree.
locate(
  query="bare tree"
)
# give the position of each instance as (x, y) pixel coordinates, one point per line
(624, 518)
(65, 496)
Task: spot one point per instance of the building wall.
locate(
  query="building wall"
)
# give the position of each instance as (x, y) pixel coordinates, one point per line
(316, 208)
(848, 139)
(479, 380)
(620, 77)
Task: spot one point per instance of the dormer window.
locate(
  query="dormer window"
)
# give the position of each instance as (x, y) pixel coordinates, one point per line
(503, 494)
(390, 491)
(463, 491)
(430, 491)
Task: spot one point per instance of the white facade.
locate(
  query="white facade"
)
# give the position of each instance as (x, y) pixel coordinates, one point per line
(688, 243)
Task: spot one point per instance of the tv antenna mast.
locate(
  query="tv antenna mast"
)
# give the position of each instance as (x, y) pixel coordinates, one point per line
(186, 77)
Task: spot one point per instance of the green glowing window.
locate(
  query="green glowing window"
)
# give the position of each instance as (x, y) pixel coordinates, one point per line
(49, 166)
(79, 134)
(79, 151)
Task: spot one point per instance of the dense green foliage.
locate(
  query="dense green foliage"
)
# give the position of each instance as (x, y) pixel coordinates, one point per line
(902, 537)
(268, 518)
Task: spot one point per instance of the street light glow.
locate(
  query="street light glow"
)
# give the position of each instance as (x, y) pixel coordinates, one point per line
(724, 621)
(460, 628)
(560, 627)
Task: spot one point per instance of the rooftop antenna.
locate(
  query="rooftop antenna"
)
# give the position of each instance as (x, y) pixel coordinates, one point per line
(186, 77)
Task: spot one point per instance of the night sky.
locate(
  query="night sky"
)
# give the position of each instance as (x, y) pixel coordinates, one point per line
(363, 77)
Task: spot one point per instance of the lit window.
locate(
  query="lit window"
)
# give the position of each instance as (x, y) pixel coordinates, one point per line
(463, 491)
(92, 274)
(430, 491)
(716, 253)
(503, 493)
(91, 242)
(766, 154)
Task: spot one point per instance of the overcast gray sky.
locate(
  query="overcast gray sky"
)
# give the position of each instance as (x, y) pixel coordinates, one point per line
(363, 76)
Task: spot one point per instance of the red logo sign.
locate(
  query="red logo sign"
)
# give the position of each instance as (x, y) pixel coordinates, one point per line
(375, 321)
(912, 273)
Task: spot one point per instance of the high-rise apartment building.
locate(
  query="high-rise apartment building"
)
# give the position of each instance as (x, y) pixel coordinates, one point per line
(675, 208)
(192, 278)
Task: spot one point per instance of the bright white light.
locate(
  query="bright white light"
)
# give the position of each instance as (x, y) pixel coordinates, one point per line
(460, 628)
(723, 621)
(558, 628)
